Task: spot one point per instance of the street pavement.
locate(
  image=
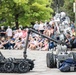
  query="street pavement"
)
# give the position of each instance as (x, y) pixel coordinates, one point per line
(40, 63)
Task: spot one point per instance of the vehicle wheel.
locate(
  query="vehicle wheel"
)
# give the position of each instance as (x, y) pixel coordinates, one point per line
(8, 66)
(23, 67)
(50, 60)
(74, 56)
(31, 64)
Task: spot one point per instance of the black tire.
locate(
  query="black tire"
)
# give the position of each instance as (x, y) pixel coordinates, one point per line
(31, 63)
(50, 60)
(8, 66)
(23, 67)
(74, 56)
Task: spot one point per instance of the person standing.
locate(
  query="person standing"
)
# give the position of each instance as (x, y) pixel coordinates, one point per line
(9, 32)
(41, 27)
(2, 31)
(36, 25)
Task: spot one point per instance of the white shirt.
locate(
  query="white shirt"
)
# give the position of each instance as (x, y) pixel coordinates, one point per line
(20, 34)
(51, 22)
(41, 27)
(16, 35)
(36, 26)
(9, 32)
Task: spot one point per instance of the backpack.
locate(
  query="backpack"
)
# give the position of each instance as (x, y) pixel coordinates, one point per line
(51, 45)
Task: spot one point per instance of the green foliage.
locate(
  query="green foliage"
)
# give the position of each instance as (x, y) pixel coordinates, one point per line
(23, 12)
(40, 12)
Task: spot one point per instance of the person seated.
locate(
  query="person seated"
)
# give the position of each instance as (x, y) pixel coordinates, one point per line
(18, 44)
(73, 41)
(67, 40)
(45, 45)
(32, 44)
(1, 46)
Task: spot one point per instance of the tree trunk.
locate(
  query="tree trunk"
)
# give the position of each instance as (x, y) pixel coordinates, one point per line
(16, 21)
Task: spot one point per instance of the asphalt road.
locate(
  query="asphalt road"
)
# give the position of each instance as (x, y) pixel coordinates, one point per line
(40, 63)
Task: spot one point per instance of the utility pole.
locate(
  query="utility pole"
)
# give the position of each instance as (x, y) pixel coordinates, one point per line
(57, 5)
(75, 12)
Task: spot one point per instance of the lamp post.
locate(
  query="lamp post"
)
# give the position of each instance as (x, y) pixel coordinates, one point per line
(74, 9)
(57, 5)
(75, 12)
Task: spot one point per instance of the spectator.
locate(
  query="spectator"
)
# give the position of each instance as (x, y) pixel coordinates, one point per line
(18, 44)
(9, 32)
(1, 46)
(51, 21)
(72, 25)
(19, 33)
(45, 45)
(68, 38)
(41, 27)
(15, 36)
(2, 31)
(24, 33)
(33, 44)
(73, 32)
(73, 41)
(36, 25)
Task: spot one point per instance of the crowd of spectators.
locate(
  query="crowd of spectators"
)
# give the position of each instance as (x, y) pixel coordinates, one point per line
(12, 39)
(16, 39)
(51, 30)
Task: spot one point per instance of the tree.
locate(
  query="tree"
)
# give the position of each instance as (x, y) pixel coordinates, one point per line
(68, 8)
(23, 12)
(65, 6)
(56, 4)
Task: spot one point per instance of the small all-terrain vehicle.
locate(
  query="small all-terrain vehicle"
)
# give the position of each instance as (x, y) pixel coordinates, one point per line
(15, 65)
(58, 55)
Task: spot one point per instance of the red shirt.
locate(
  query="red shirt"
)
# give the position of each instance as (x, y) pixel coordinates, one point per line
(24, 34)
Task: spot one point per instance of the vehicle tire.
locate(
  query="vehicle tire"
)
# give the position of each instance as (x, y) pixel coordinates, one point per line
(50, 60)
(23, 67)
(31, 63)
(8, 66)
(74, 56)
